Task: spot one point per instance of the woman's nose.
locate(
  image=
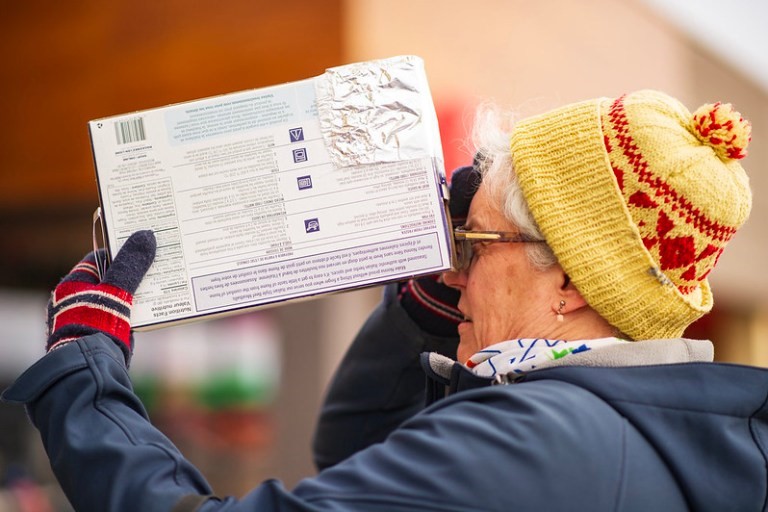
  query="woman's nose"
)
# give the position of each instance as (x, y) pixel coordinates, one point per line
(455, 278)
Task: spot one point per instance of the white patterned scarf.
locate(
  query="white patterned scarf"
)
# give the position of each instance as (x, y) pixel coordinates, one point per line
(524, 355)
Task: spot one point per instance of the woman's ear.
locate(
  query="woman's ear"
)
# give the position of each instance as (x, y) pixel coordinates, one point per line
(570, 296)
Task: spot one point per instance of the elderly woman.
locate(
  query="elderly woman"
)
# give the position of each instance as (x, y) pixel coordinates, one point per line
(582, 259)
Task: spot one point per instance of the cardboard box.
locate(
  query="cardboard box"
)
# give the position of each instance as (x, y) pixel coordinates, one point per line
(281, 193)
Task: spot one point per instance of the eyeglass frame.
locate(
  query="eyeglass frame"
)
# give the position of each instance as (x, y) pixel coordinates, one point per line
(464, 239)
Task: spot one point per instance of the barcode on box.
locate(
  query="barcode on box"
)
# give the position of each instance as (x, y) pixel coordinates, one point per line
(130, 130)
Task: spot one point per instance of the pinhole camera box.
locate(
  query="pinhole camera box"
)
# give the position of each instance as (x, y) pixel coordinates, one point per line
(280, 193)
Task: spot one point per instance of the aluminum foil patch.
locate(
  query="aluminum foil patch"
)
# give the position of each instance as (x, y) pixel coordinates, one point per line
(377, 111)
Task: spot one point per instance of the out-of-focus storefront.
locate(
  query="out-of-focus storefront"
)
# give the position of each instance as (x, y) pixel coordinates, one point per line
(240, 395)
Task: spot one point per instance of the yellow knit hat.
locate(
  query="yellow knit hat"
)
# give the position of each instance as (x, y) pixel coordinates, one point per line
(637, 198)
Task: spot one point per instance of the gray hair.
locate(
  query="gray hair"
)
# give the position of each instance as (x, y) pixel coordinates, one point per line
(491, 138)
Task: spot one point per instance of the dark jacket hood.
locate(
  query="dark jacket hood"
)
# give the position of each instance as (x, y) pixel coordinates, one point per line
(695, 415)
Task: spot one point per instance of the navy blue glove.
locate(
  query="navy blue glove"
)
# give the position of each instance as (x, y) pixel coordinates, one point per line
(427, 300)
(83, 304)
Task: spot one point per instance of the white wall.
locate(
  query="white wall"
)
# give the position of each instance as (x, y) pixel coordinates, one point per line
(538, 55)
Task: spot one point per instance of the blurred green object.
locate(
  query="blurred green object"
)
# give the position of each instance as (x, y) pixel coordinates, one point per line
(147, 388)
(234, 389)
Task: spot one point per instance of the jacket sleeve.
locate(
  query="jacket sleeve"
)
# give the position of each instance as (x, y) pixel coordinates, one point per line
(378, 385)
(104, 451)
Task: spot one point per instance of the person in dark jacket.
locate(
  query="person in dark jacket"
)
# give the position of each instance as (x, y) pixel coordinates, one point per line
(583, 257)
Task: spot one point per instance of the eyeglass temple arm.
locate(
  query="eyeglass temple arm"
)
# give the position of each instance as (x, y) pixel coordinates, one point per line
(476, 236)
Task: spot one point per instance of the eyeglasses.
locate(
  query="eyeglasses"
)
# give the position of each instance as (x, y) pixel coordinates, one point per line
(466, 239)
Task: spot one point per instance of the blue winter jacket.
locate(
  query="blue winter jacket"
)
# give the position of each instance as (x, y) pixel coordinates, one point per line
(665, 437)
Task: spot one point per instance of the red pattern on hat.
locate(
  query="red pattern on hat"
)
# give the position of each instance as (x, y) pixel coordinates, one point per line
(675, 251)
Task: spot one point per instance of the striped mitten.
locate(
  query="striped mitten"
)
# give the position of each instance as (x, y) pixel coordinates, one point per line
(83, 304)
(427, 300)
(431, 304)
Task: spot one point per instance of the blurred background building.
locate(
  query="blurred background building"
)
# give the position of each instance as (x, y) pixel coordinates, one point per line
(240, 396)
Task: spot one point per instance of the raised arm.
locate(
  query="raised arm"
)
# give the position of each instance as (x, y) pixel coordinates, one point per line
(379, 383)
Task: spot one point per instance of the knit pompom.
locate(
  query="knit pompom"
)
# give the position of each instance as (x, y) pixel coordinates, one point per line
(721, 127)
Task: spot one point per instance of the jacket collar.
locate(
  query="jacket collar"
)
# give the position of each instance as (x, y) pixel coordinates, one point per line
(446, 376)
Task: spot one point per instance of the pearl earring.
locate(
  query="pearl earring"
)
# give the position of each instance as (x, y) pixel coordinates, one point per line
(560, 317)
